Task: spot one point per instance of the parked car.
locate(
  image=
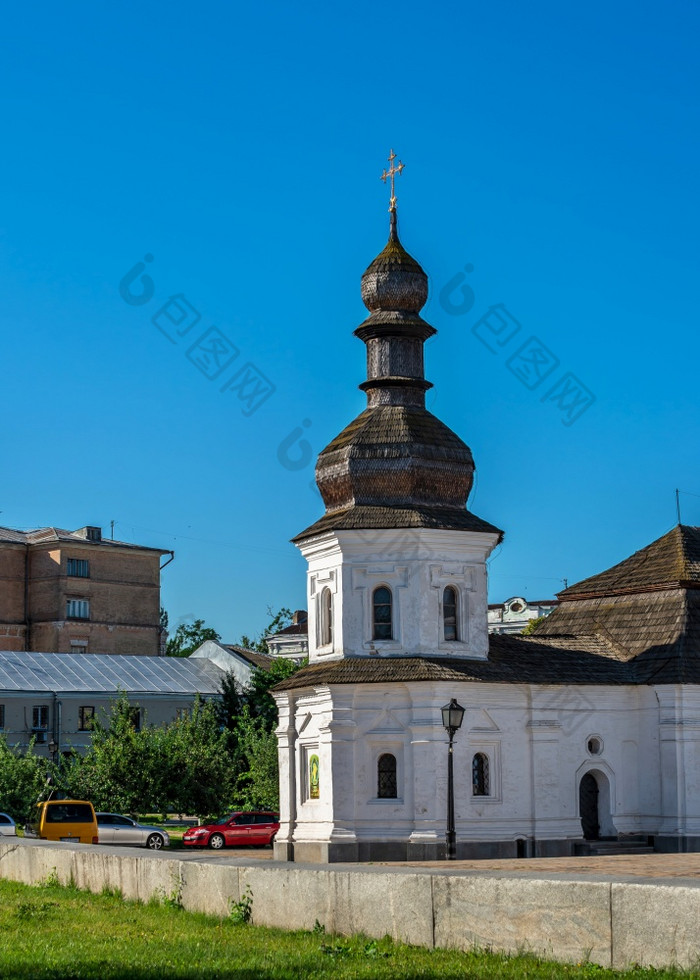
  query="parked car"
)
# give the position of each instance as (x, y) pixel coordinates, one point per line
(235, 830)
(113, 828)
(57, 819)
(8, 828)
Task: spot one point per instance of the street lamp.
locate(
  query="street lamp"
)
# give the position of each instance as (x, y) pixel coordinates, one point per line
(52, 747)
(452, 715)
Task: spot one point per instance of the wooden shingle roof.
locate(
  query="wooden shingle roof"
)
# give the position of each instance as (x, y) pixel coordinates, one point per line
(673, 559)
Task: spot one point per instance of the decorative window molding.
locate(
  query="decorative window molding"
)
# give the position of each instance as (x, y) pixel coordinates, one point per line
(320, 584)
(461, 579)
(367, 579)
(485, 772)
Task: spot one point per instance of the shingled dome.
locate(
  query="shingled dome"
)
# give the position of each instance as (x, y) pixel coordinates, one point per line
(396, 464)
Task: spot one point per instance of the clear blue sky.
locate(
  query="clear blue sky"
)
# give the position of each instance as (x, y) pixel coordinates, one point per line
(553, 148)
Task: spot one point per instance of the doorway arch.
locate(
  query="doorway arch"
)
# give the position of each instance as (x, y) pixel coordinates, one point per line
(594, 805)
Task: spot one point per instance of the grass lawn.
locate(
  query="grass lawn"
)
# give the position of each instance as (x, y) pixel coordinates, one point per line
(60, 933)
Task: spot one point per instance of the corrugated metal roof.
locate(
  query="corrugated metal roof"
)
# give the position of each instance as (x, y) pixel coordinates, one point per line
(65, 673)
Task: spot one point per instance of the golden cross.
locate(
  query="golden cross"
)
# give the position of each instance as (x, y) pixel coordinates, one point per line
(391, 172)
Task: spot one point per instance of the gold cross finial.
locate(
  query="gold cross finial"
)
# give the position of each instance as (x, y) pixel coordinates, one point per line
(391, 172)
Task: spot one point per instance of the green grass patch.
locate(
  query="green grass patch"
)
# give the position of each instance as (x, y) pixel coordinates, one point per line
(52, 933)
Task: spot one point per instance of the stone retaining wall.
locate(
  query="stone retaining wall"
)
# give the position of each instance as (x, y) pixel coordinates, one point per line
(567, 918)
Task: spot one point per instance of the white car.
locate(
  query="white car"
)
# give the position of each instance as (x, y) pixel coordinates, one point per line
(8, 827)
(113, 828)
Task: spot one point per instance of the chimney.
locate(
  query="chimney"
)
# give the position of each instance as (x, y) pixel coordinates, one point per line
(300, 616)
(90, 532)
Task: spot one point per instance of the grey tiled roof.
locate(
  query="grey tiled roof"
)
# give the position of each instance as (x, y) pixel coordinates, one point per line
(46, 534)
(65, 673)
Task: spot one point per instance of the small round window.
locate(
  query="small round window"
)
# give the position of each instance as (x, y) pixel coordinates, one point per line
(594, 745)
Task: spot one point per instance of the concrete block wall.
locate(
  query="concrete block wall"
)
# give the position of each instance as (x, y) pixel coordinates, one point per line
(652, 922)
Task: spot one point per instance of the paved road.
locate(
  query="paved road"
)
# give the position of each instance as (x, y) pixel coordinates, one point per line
(620, 865)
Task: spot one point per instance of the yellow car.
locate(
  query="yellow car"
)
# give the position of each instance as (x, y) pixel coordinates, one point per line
(73, 821)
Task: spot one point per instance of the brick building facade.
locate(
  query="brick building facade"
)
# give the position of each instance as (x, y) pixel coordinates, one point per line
(75, 592)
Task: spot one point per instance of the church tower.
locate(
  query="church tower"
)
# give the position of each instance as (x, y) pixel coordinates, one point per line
(397, 562)
(396, 593)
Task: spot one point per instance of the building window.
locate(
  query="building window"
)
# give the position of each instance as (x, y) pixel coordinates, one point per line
(78, 646)
(480, 775)
(381, 614)
(449, 613)
(386, 777)
(326, 618)
(40, 721)
(77, 609)
(86, 717)
(135, 718)
(80, 567)
(2, 717)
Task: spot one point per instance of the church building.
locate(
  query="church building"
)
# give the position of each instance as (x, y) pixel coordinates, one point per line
(588, 729)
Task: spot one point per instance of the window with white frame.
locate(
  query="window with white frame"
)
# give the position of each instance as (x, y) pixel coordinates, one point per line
(382, 625)
(40, 721)
(450, 622)
(77, 608)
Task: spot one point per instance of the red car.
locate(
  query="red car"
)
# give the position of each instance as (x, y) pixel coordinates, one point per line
(235, 830)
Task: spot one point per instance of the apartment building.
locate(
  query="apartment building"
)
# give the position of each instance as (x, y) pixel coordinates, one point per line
(77, 592)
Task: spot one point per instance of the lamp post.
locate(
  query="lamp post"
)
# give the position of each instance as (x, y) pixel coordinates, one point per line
(452, 715)
(52, 747)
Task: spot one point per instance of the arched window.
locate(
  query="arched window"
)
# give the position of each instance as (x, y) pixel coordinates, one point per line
(480, 775)
(386, 777)
(381, 614)
(326, 618)
(449, 613)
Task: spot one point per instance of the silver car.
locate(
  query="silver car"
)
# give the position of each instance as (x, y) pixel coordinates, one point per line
(8, 827)
(113, 828)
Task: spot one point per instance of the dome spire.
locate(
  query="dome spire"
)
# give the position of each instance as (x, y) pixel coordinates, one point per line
(391, 172)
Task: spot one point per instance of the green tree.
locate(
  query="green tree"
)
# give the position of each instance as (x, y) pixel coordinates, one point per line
(260, 702)
(189, 636)
(278, 621)
(184, 767)
(532, 626)
(122, 769)
(258, 784)
(22, 778)
(198, 760)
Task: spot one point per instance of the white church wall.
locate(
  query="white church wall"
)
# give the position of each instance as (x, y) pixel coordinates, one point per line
(539, 742)
(416, 565)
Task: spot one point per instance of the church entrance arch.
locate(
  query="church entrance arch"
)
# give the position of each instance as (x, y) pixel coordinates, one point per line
(588, 806)
(594, 805)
